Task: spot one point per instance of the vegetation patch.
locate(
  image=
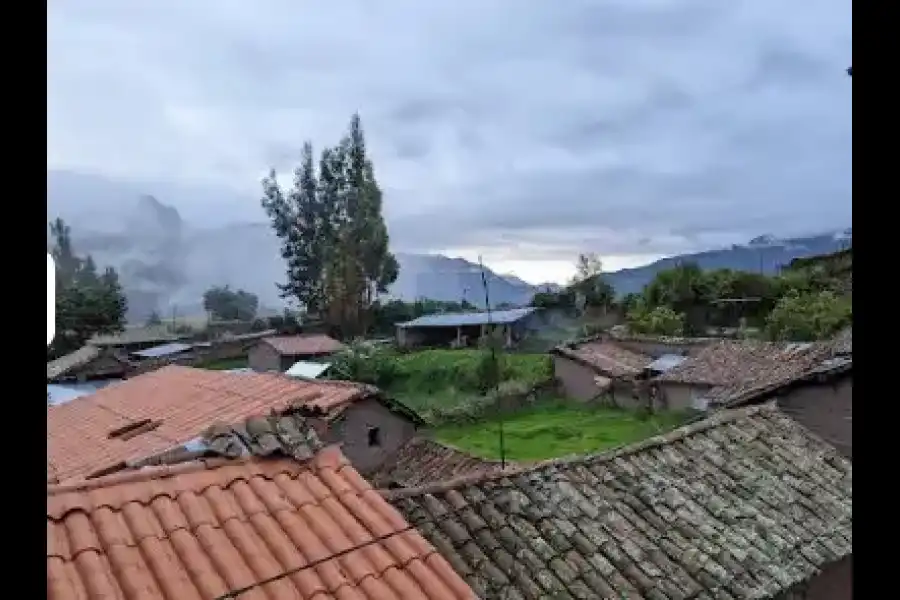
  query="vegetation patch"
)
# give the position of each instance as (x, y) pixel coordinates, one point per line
(556, 429)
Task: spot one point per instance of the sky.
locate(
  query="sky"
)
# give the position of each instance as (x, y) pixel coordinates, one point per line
(525, 131)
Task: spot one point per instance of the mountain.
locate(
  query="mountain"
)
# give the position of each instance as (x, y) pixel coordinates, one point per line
(166, 259)
(764, 254)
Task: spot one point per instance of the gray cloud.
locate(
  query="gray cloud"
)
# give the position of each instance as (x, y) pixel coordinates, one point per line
(623, 127)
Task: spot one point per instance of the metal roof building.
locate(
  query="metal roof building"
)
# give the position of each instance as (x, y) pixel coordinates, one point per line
(497, 317)
(163, 350)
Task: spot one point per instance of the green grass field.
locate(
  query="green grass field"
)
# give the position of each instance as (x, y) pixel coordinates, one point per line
(556, 430)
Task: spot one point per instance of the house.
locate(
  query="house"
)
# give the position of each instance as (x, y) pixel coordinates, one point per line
(598, 367)
(138, 338)
(88, 363)
(657, 346)
(251, 528)
(422, 460)
(720, 372)
(821, 399)
(113, 428)
(170, 350)
(465, 329)
(745, 504)
(279, 353)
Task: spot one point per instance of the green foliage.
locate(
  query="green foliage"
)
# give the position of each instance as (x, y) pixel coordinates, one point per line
(333, 237)
(366, 363)
(564, 300)
(384, 316)
(658, 320)
(809, 316)
(154, 319)
(226, 304)
(87, 303)
(725, 298)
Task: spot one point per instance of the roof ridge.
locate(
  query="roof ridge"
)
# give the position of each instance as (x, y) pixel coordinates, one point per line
(717, 419)
(329, 456)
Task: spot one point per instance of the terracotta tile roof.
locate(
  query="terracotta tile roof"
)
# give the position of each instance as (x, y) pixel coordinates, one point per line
(205, 529)
(301, 345)
(742, 505)
(420, 461)
(606, 357)
(176, 403)
(738, 369)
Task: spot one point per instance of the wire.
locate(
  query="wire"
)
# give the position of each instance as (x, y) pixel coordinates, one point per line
(232, 594)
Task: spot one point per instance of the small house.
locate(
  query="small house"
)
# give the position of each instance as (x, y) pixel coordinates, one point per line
(466, 329)
(112, 428)
(596, 368)
(88, 363)
(718, 373)
(279, 353)
(821, 399)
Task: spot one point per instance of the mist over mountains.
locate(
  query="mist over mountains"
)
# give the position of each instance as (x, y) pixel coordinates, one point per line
(167, 258)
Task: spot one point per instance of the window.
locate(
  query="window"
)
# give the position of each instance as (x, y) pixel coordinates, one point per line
(374, 436)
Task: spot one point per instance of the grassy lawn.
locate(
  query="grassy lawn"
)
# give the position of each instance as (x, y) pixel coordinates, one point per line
(225, 364)
(554, 430)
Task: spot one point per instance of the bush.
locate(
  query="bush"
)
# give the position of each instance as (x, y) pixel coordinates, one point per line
(366, 363)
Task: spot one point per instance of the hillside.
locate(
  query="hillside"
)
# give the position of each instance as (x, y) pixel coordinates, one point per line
(765, 254)
(167, 259)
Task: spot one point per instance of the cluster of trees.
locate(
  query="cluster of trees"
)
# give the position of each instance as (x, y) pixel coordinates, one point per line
(807, 301)
(333, 236)
(587, 289)
(798, 305)
(88, 302)
(225, 304)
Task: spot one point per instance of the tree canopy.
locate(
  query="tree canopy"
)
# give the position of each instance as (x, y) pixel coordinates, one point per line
(226, 304)
(87, 302)
(333, 237)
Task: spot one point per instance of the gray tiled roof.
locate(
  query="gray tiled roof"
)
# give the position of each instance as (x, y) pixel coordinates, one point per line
(742, 505)
(421, 461)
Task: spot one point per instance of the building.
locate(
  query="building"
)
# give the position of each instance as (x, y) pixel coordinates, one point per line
(465, 329)
(745, 504)
(821, 399)
(718, 373)
(137, 338)
(422, 460)
(113, 428)
(279, 353)
(308, 370)
(169, 350)
(252, 528)
(88, 363)
(599, 368)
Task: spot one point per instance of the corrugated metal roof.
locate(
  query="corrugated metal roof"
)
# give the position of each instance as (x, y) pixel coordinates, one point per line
(164, 350)
(666, 362)
(309, 370)
(60, 394)
(498, 317)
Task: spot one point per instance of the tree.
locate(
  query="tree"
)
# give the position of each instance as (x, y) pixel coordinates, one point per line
(588, 282)
(87, 304)
(154, 319)
(333, 236)
(657, 320)
(226, 304)
(805, 317)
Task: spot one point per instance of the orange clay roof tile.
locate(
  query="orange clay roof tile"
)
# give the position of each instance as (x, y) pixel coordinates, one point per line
(185, 401)
(202, 530)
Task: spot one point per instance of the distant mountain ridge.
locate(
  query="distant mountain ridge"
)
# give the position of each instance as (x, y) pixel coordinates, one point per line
(166, 261)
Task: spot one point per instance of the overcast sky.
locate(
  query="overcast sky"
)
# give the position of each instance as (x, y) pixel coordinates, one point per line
(528, 130)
